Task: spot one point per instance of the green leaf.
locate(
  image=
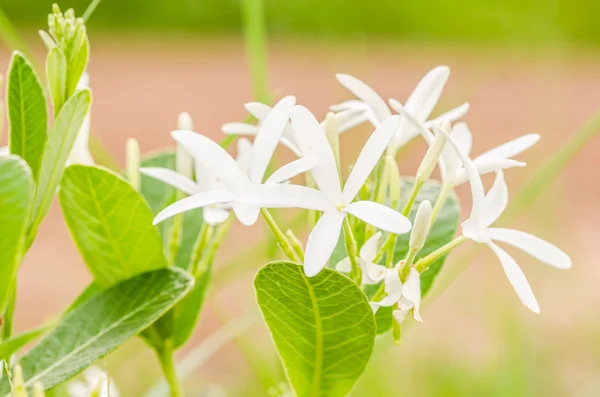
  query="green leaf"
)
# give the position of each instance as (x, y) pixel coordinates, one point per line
(16, 192)
(158, 194)
(110, 223)
(100, 325)
(60, 142)
(10, 346)
(56, 74)
(27, 117)
(77, 63)
(323, 327)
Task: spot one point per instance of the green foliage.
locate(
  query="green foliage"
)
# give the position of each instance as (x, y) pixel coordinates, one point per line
(100, 325)
(12, 345)
(323, 327)
(58, 146)
(110, 223)
(16, 190)
(56, 73)
(27, 117)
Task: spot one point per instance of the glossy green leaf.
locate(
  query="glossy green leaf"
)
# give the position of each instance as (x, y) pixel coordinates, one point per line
(110, 223)
(323, 327)
(56, 74)
(27, 115)
(100, 325)
(16, 192)
(58, 146)
(12, 345)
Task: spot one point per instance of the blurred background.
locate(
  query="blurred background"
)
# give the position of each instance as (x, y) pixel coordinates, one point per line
(524, 66)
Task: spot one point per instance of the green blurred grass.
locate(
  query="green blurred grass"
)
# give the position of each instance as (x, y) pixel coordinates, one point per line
(526, 22)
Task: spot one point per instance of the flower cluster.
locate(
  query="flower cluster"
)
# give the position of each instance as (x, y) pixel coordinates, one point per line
(365, 205)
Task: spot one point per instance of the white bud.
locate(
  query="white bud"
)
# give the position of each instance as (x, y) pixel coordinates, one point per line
(420, 229)
(431, 158)
(184, 163)
(133, 163)
(184, 122)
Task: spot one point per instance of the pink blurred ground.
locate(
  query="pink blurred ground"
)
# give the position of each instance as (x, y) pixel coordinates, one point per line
(140, 87)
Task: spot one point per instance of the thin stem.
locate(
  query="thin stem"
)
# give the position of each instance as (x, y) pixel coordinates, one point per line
(199, 248)
(165, 357)
(255, 36)
(175, 235)
(441, 200)
(424, 262)
(352, 251)
(389, 242)
(282, 240)
(219, 235)
(413, 196)
(296, 244)
(410, 258)
(90, 10)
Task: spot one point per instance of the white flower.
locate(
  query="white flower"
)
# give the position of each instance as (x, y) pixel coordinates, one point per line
(80, 153)
(242, 182)
(345, 120)
(407, 296)
(372, 273)
(338, 202)
(95, 380)
(451, 169)
(486, 209)
(419, 104)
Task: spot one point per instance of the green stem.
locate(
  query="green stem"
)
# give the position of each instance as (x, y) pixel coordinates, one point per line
(424, 262)
(408, 261)
(413, 196)
(282, 240)
(219, 235)
(441, 200)
(255, 36)
(90, 10)
(351, 249)
(199, 248)
(296, 244)
(165, 357)
(175, 237)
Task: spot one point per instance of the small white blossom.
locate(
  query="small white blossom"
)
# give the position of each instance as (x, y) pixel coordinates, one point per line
(372, 273)
(421, 225)
(485, 211)
(94, 380)
(407, 296)
(338, 202)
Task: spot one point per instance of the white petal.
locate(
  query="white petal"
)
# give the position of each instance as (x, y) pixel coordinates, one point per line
(237, 128)
(352, 104)
(517, 278)
(400, 315)
(427, 93)
(172, 178)
(213, 157)
(292, 169)
(510, 148)
(369, 249)
(267, 139)
(244, 155)
(313, 142)
(369, 157)
(380, 216)
(419, 126)
(214, 216)
(367, 94)
(463, 137)
(350, 118)
(393, 288)
(344, 266)
(322, 241)
(534, 246)
(259, 110)
(193, 202)
(495, 201)
(491, 165)
(477, 191)
(411, 291)
(291, 144)
(371, 272)
(286, 196)
(77, 388)
(247, 215)
(451, 116)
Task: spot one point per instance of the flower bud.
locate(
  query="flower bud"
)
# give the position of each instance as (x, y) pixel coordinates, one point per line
(431, 158)
(133, 163)
(185, 122)
(420, 229)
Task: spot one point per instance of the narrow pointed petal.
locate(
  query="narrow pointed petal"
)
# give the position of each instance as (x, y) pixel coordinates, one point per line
(510, 148)
(534, 246)
(477, 191)
(369, 157)
(193, 202)
(463, 137)
(352, 104)
(380, 216)
(411, 291)
(213, 157)
(348, 119)
(517, 278)
(372, 273)
(172, 178)
(287, 196)
(214, 216)
(259, 110)
(400, 139)
(393, 288)
(451, 116)
(367, 94)
(267, 139)
(369, 249)
(322, 241)
(487, 167)
(292, 169)
(237, 128)
(495, 201)
(313, 142)
(244, 155)
(344, 266)
(427, 93)
(247, 215)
